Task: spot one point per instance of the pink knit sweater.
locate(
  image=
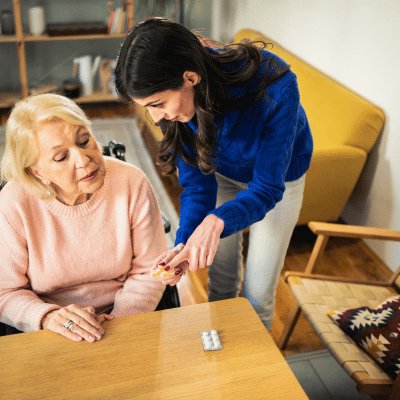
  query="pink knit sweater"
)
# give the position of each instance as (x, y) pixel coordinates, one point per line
(97, 254)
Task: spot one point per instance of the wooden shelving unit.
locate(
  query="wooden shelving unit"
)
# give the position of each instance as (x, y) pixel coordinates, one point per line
(47, 38)
(8, 99)
(96, 97)
(8, 38)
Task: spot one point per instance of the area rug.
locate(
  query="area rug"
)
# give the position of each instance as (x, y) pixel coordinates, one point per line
(126, 131)
(322, 378)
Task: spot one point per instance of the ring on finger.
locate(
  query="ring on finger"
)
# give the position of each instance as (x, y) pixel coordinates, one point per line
(69, 324)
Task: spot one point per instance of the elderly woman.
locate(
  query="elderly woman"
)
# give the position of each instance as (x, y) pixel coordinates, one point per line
(79, 232)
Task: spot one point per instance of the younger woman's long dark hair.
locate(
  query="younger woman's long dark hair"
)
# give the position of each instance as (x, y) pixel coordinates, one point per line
(153, 58)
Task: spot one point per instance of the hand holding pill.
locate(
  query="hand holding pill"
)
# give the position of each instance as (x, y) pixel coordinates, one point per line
(168, 275)
(160, 272)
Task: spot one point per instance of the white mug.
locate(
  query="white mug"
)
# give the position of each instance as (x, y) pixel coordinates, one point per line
(36, 20)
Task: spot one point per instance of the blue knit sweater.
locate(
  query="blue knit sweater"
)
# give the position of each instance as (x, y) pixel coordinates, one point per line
(265, 145)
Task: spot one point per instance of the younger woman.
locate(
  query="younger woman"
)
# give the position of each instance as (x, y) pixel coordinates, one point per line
(234, 128)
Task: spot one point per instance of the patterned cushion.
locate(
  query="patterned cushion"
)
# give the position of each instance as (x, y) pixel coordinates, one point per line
(376, 330)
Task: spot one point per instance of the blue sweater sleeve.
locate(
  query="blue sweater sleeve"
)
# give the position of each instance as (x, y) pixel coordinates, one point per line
(197, 200)
(272, 161)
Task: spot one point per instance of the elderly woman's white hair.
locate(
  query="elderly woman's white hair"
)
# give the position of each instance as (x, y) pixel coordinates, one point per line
(22, 150)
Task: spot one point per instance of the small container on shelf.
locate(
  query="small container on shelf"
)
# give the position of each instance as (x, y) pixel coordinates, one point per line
(7, 22)
(72, 88)
(76, 28)
(37, 24)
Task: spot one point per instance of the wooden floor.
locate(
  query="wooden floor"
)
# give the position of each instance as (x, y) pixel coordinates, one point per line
(343, 257)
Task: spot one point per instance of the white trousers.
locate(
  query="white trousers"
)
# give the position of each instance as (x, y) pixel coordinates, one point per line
(268, 243)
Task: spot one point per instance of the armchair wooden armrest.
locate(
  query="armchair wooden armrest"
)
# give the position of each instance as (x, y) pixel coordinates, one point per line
(325, 230)
(353, 231)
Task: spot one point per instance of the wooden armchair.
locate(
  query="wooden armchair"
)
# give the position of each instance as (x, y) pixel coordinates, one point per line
(318, 294)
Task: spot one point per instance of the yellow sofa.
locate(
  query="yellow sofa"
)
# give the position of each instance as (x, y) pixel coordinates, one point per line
(344, 126)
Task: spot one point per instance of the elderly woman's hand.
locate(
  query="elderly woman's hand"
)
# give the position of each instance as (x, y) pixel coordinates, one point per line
(76, 323)
(161, 263)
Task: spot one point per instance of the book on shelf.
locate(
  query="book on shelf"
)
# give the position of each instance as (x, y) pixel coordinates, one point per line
(121, 21)
(117, 21)
(125, 27)
(110, 21)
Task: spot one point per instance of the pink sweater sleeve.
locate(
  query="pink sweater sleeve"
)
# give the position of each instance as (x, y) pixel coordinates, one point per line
(17, 301)
(140, 292)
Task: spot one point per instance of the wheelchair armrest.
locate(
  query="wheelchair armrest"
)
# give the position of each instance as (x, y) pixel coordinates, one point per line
(166, 223)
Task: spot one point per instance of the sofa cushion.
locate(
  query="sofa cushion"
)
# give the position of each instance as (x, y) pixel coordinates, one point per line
(375, 330)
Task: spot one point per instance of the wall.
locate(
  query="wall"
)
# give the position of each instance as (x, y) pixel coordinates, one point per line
(355, 42)
(197, 16)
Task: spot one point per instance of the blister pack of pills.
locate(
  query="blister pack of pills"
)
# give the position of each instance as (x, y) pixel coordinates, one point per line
(211, 340)
(159, 272)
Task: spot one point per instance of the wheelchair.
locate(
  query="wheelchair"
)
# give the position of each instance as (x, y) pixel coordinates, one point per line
(170, 297)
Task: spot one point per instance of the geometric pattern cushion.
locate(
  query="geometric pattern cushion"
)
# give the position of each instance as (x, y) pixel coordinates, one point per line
(375, 330)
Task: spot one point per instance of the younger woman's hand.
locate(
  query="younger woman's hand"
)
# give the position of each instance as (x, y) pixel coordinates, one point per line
(83, 323)
(202, 245)
(198, 252)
